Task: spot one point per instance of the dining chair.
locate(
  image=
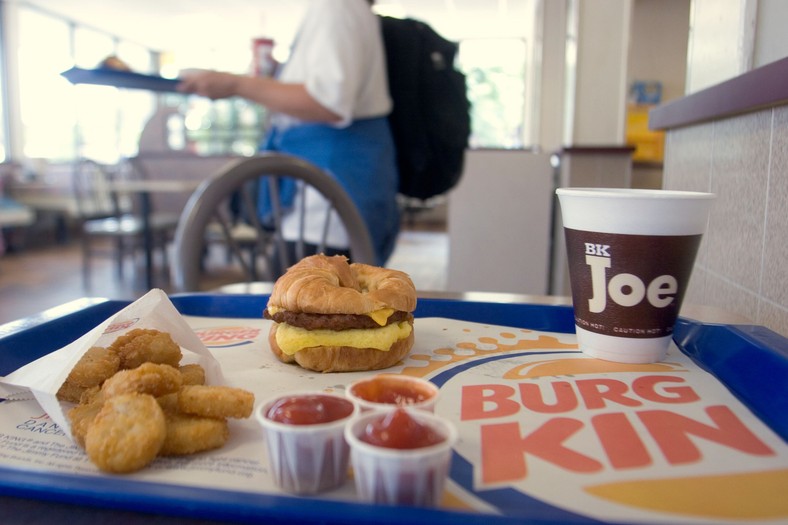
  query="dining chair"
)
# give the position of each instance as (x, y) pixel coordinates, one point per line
(180, 165)
(225, 208)
(107, 215)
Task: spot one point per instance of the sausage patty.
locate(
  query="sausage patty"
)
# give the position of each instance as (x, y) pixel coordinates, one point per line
(333, 321)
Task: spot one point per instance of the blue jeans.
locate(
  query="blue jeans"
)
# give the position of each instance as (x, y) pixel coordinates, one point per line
(362, 158)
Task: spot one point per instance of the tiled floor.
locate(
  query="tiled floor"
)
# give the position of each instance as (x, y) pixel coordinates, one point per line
(34, 279)
(424, 255)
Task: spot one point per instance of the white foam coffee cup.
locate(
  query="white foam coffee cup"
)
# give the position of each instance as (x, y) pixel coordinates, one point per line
(630, 255)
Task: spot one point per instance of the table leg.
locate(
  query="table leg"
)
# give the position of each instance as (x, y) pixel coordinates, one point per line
(147, 233)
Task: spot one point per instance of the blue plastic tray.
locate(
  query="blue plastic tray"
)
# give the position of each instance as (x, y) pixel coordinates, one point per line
(121, 79)
(751, 361)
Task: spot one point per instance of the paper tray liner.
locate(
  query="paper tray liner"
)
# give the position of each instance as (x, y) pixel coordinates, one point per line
(546, 432)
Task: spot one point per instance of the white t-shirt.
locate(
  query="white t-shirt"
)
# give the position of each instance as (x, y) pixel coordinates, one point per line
(338, 54)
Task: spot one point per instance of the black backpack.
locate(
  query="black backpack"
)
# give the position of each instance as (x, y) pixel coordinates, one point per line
(431, 119)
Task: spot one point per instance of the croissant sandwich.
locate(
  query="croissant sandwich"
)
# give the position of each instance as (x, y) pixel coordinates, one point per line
(331, 316)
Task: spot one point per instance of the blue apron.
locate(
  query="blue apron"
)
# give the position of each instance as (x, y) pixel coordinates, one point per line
(361, 157)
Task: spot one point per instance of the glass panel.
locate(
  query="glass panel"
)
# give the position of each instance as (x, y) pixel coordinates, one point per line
(91, 47)
(230, 126)
(3, 138)
(134, 110)
(137, 57)
(61, 121)
(46, 99)
(97, 115)
(495, 74)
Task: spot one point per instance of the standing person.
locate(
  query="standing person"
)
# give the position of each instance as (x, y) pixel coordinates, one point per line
(329, 104)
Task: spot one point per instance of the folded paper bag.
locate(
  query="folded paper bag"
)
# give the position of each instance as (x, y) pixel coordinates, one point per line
(44, 376)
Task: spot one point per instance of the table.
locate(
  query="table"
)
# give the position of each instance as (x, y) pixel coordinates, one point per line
(144, 188)
(13, 215)
(55, 200)
(18, 510)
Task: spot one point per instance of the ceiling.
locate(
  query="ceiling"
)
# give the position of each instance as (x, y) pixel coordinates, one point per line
(172, 25)
(175, 25)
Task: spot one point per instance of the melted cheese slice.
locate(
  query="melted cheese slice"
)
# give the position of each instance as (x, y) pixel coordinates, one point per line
(381, 316)
(291, 339)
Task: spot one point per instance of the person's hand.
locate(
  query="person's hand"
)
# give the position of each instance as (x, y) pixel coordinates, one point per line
(211, 84)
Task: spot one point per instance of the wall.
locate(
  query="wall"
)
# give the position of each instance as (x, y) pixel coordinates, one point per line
(741, 265)
(499, 223)
(591, 51)
(658, 51)
(600, 88)
(658, 44)
(549, 103)
(743, 159)
(730, 37)
(770, 41)
(720, 41)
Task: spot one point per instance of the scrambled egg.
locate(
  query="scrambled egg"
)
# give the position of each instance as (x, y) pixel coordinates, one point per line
(291, 339)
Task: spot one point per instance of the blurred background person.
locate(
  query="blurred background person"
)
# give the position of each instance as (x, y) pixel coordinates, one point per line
(329, 103)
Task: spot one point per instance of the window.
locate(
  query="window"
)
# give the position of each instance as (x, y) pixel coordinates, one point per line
(3, 138)
(495, 72)
(47, 103)
(91, 47)
(61, 121)
(233, 126)
(222, 127)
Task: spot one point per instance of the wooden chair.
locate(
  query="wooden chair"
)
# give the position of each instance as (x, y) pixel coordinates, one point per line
(212, 214)
(106, 215)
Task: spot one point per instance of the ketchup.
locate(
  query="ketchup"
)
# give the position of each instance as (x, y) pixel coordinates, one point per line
(390, 391)
(398, 429)
(311, 409)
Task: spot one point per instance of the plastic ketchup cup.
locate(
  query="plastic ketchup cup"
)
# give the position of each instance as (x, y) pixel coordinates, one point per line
(304, 434)
(400, 456)
(388, 391)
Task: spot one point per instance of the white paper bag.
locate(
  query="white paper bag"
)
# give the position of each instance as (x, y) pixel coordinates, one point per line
(44, 376)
